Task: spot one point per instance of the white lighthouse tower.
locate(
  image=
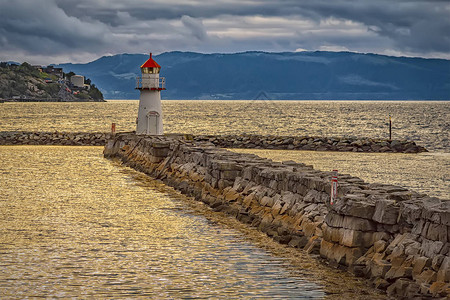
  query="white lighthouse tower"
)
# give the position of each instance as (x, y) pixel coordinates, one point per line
(150, 85)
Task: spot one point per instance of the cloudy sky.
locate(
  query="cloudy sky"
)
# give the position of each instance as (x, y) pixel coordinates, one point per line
(56, 31)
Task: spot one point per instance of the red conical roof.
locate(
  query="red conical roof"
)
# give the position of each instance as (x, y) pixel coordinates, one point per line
(150, 63)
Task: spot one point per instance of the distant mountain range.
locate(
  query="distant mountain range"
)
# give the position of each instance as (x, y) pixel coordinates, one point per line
(287, 75)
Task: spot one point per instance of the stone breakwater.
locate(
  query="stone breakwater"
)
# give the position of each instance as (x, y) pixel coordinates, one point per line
(311, 143)
(223, 141)
(396, 238)
(54, 138)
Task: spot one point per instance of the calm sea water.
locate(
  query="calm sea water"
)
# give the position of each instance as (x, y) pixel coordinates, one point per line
(73, 224)
(426, 122)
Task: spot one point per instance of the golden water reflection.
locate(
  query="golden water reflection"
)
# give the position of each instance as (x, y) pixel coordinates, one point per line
(73, 224)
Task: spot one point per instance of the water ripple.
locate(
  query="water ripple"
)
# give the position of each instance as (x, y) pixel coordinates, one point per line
(67, 231)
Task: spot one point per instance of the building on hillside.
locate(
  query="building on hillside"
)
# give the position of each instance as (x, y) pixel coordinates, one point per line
(77, 81)
(54, 71)
(50, 70)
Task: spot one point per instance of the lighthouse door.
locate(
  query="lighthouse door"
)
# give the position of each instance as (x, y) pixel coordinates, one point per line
(152, 123)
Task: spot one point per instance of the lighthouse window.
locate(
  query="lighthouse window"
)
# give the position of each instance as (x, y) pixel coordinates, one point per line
(150, 70)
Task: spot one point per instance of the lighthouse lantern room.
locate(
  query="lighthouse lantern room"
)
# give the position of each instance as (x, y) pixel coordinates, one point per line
(150, 85)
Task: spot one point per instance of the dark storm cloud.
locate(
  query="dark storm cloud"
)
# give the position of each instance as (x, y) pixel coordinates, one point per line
(84, 29)
(152, 10)
(420, 26)
(195, 26)
(40, 27)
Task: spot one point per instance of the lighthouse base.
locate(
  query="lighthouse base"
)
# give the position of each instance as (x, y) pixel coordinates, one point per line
(149, 120)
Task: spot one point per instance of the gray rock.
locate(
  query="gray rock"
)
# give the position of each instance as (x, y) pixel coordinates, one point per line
(386, 212)
(355, 206)
(430, 248)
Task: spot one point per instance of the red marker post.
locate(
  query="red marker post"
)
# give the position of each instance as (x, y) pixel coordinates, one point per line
(334, 184)
(113, 128)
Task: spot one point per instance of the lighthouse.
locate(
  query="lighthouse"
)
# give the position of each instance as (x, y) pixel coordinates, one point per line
(150, 85)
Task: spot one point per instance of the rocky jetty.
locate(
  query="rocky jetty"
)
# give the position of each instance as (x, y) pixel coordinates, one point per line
(54, 138)
(353, 144)
(398, 239)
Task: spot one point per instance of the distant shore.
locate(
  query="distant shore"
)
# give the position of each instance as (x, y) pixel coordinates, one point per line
(47, 100)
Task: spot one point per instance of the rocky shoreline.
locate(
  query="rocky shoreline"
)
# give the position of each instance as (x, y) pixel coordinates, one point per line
(345, 144)
(396, 238)
(53, 138)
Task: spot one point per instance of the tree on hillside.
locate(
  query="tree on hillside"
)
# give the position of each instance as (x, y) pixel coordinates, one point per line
(69, 75)
(95, 93)
(28, 69)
